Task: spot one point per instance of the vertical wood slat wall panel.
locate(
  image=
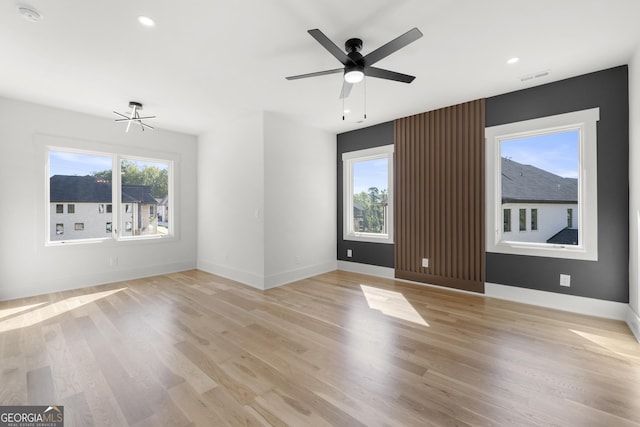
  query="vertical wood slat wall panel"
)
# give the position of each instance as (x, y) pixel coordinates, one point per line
(439, 196)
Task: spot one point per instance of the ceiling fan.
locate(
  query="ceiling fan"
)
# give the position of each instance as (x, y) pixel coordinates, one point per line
(134, 116)
(356, 66)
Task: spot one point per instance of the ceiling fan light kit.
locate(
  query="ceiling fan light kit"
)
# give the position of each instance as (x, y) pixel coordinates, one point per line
(353, 76)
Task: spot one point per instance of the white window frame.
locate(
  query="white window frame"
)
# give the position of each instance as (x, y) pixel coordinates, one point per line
(585, 122)
(348, 160)
(116, 158)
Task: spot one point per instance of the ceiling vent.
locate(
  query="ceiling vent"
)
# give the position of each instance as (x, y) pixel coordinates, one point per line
(29, 13)
(538, 75)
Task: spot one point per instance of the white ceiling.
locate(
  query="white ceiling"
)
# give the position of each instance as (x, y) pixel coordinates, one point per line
(207, 60)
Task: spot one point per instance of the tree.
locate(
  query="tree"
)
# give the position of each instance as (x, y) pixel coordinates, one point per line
(374, 204)
(130, 173)
(103, 175)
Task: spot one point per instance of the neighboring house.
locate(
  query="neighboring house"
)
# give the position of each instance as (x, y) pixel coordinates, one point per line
(163, 209)
(80, 208)
(538, 206)
(358, 217)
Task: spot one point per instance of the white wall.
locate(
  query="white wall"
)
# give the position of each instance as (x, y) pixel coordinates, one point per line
(231, 200)
(27, 267)
(300, 201)
(633, 318)
(253, 208)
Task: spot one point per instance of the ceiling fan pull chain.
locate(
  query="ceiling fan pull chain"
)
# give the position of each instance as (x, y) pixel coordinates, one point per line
(365, 98)
(343, 108)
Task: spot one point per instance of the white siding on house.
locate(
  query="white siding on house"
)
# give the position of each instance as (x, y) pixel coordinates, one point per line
(95, 223)
(551, 219)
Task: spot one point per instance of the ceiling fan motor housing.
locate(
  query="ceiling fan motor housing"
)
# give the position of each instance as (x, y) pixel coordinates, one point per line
(353, 45)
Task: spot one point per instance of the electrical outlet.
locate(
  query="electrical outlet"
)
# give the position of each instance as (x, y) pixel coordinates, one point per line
(565, 280)
(425, 262)
(349, 253)
(113, 261)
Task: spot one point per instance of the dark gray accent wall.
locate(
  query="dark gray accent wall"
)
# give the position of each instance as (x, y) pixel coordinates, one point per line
(607, 278)
(380, 254)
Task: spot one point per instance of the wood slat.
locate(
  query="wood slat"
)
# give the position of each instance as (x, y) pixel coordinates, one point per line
(439, 194)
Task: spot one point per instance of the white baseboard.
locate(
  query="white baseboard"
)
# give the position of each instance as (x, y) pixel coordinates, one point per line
(266, 282)
(78, 281)
(575, 304)
(633, 320)
(372, 270)
(280, 279)
(571, 303)
(244, 277)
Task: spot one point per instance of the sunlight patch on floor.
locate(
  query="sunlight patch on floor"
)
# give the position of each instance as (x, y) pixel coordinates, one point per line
(41, 314)
(611, 344)
(11, 311)
(392, 303)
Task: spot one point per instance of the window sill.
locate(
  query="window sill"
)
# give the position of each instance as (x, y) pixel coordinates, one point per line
(545, 250)
(370, 238)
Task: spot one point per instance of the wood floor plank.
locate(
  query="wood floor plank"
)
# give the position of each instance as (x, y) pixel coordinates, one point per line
(339, 349)
(40, 389)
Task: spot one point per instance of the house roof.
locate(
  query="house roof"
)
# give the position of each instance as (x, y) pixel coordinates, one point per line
(78, 189)
(529, 184)
(566, 236)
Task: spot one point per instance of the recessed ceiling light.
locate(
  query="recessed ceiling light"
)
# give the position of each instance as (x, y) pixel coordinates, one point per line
(146, 21)
(29, 13)
(513, 60)
(347, 111)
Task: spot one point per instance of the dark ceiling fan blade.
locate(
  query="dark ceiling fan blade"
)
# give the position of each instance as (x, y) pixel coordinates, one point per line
(389, 75)
(317, 73)
(334, 50)
(346, 89)
(394, 45)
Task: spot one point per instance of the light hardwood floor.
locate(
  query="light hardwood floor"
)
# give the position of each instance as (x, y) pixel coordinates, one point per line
(338, 349)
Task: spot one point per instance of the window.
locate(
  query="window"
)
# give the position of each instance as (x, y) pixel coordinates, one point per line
(93, 182)
(368, 195)
(547, 165)
(144, 182)
(507, 220)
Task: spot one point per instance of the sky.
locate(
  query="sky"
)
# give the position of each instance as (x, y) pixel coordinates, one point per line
(370, 173)
(65, 163)
(555, 152)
